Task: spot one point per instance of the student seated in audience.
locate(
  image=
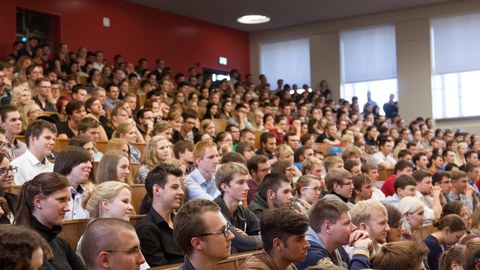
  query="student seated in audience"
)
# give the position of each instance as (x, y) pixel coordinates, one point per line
(458, 208)
(283, 236)
(79, 93)
(383, 158)
(245, 149)
(145, 121)
(462, 191)
(129, 132)
(200, 183)
(12, 123)
(74, 163)
(362, 188)
(268, 144)
(331, 228)
(163, 128)
(156, 152)
(75, 112)
(155, 230)
(371, 216)
(44, 91)
(231, 179)
(90, 127)
(114, 166)
(203, 235)
(403, 167)
(443, 179)
(186, 132)
(329, 137)
(332, 163)
(371, 170)
(401, 255)
(353, 167)
(183, 151)
(430, 195)
(395, 220)
(301, 154)
(436, 163)
(413, 213)
(339, 185)
(110, 243)
(404, 186)
(451, 229)
(22, 248)
(42, 206)
(308, 191)
(452, 259)
(6, 183)
(273, 192)
(258, 166)
(40, 137)
(420, 160)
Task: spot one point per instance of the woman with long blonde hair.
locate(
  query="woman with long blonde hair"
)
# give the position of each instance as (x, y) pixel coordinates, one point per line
(156, 152)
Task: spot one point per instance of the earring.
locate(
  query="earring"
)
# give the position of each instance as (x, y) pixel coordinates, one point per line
(39, 206)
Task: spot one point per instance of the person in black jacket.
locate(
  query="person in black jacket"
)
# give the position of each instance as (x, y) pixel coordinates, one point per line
(42, 205)
(7, 199)
(155, 230)
(231, 179)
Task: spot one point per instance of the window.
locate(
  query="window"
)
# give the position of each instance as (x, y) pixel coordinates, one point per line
(287, 60)
(455, 65)
(368, 63)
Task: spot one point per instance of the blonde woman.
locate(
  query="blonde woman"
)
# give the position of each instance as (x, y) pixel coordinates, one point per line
(156, 152)
(130, 133)
(118, 144)
(308, 190)
(114, 166)
(21, 96)
(30, 113)
(285, 152)
(208, 126)
(118, 115)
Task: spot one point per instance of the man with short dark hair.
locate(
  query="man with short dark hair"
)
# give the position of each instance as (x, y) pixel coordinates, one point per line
(291, 139)
(443, 179)
(273, 192)
(384, 158)
(430, 195)
(258, 166)
(112, 99)
(339, 184)
(301, 154)
(283, 237)
(40, 137)
(145, 121)
(44, 91)
(268, 143)
(201, 232)
(404, 185)
(183, 151)
(188, 127)
(240, 117)
(402, 167)
(11, 121)
(155, 230)
(330, 135)
(90, 127)
(79, 92)
(462, 191)
(420, 160)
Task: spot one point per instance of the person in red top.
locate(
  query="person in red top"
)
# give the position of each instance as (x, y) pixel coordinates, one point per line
(279, 129)
(402, 167)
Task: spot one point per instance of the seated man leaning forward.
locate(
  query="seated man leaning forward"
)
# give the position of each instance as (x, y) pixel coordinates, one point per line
(330, 229)
(283, 235)
(232, 180)
(202, 233)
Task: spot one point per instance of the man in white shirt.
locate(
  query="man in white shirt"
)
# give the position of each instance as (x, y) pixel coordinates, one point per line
(200, 183)
(429, 195)
(40, 137)
(383, 158)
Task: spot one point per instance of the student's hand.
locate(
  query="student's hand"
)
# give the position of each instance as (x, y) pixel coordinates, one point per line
(469, 191)
(240, 231)
(436, 192)
(358, 235)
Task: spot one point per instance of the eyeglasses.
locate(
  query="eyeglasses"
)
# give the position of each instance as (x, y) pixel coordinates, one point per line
(224, 232)
(133, 251)
(5, 170)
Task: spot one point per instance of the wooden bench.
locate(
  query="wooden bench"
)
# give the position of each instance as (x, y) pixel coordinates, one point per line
(20, 138)
(100, 146)
(425, 231)
(235, 261)
(322, 147)
(60, 144)
(140, 147)
(138, 193)
(258, 144)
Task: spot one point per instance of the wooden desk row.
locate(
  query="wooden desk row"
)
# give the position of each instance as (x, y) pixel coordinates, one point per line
(234, 262)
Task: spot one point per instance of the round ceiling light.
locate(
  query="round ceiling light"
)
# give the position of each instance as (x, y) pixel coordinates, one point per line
(253, 19)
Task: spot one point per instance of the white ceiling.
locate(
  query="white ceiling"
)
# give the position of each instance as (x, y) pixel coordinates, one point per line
(283, 13)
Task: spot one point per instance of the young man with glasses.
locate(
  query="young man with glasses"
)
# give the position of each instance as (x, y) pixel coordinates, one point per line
(443, 179)
(155, 230)
(110, 243)
(187, 130)
(340, 186)
(231, 179)
(202, 233)
(258, 166)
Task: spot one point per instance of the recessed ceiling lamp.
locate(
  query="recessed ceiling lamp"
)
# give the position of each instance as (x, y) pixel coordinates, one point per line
(253, 19)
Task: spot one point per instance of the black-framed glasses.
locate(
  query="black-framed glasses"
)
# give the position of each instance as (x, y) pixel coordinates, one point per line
(5, 170)
(133, 251)
(224, 232)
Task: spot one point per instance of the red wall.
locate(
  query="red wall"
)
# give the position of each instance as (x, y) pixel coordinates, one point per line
(135, 32)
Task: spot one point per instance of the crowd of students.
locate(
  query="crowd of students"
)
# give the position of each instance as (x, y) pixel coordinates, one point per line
(293, 174)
